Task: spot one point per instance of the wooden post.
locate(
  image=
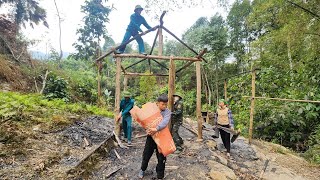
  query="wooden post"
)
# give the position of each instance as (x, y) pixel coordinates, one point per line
(99, 64)
(225, 89)
(252, 103)
(160, 41)
(117, 96)
(171, 86)
(199, 116)
(125, 82)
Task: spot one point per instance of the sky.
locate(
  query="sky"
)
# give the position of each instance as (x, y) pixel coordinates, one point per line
(177, 21)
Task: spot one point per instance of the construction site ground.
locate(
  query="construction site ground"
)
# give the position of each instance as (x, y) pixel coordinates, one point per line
(88, 150)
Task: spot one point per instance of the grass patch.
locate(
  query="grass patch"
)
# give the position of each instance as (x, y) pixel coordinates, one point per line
(28, 110)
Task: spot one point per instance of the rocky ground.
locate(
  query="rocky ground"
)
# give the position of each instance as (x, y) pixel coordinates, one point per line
(50, 155)
(54, 155)
(206, 160)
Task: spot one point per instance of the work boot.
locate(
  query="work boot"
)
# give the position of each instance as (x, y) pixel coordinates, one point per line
(141, 174)
(118, 52)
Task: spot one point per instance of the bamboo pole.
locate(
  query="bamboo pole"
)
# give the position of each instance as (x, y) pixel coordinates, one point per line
(225, 89)
(117, 96)
(171, 86)
(284, 99)
(160, 41)
(253, 91)
(199, 116)
(155, 57)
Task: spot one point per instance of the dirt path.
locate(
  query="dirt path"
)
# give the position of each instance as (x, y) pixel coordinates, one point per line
(200, 160)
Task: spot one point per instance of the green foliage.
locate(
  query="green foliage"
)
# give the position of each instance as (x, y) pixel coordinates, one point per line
(313, 153)
(34, 109)
(148, 87)
(27, 11)
(93, 31)
(56, 87)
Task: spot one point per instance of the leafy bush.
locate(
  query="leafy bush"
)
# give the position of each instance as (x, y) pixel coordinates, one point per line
(56, 87)
(313, 153)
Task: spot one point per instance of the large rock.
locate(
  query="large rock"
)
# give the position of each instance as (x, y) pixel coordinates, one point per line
(219, 171)
(216, 175)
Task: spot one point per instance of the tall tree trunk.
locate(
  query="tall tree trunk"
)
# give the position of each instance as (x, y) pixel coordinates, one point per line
(61, 54)
(290, 59)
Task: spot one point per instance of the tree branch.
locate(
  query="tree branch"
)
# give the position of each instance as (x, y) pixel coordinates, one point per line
(306, 10)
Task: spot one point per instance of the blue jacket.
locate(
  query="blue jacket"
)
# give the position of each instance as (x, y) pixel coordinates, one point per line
(126, 106)
(135, 22)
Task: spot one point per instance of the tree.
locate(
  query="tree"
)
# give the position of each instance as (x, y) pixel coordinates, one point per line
(94, 29)
(239, 32)
(27, 11)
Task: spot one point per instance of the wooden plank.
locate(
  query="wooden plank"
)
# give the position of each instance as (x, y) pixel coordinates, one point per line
(253, 91)
(156, 57)
(117, 97)
(199, 116)
(284, 99)
(88, 155)
(171, 86)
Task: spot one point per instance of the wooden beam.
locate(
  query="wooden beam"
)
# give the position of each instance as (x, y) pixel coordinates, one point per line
(142, 74)
(134, 64)
(125, 83)
(138, 35)
(283, 99)
(160, 64)
(181, 41)
(171, 87)
(123, 69)
(253, 91)
(185, 66)
(155, 57)
(189, 63)
(160, 41)
(199, 116)
(117, 96)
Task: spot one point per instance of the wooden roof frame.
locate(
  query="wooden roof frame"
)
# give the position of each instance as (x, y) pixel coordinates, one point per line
(172, 70)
